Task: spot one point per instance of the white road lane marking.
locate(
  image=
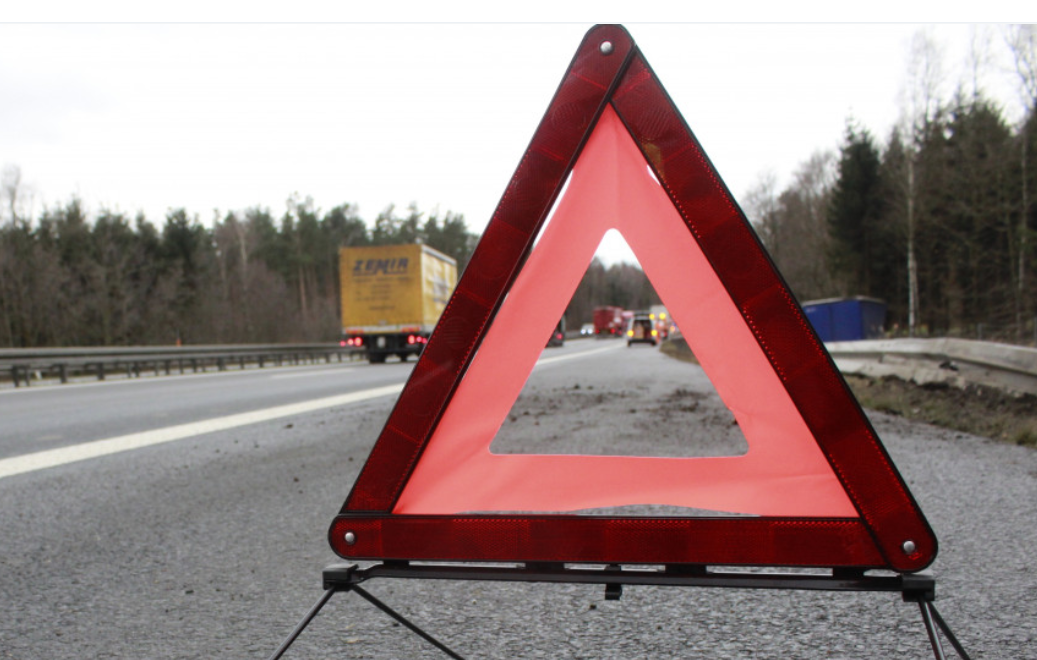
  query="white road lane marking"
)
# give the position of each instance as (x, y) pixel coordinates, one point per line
(573, 356)
(81, 452)
(313, 374)
(97, 448)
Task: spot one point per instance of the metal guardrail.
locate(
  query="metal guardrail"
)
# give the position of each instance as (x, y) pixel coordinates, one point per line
(956, 362)
(21, 365)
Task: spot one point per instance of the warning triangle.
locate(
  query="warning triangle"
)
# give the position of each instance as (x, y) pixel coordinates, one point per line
(611, 187)
(816, 487)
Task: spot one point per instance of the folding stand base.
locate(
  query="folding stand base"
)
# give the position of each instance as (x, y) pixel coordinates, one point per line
(914, 587)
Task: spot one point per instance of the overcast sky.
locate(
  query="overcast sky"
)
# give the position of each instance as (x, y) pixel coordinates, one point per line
(150, 116)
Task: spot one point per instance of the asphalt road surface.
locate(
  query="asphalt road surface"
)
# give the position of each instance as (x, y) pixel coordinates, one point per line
(209, 542)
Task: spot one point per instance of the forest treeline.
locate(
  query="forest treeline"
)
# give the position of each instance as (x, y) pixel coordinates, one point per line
(938, 218)
(71, 278)
(67, 279)
(940, 225)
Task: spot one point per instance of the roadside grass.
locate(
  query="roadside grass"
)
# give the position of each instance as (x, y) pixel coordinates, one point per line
(975, 409)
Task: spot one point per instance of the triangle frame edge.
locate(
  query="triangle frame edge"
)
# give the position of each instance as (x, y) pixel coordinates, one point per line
(882, 553)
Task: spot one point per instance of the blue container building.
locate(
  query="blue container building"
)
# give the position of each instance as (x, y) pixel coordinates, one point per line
(847, 319)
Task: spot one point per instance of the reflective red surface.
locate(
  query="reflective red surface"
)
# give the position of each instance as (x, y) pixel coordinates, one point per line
(889, 516)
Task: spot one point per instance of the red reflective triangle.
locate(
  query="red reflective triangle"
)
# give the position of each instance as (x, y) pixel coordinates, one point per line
(784, 472)
(816, 488)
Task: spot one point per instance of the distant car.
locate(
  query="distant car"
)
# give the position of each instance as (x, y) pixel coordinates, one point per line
(587, 329)
(641, 330)
(557, 337)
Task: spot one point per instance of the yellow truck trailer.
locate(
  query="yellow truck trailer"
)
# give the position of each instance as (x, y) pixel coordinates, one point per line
(392, 297)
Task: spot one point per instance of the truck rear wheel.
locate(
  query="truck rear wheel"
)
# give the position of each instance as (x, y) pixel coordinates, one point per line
(376, 358)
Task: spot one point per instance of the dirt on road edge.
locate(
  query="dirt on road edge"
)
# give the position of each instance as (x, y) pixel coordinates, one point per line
(975, 409)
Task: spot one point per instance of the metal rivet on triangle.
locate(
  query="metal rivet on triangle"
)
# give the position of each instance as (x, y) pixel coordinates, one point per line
(909, 547)
(350, 538)
(606, 48)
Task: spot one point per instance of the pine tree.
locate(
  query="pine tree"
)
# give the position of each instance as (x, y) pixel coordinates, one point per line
(854, 214)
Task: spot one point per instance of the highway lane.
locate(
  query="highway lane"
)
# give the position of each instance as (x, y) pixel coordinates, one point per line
(212, 546)
(42, 418)
(49, 419)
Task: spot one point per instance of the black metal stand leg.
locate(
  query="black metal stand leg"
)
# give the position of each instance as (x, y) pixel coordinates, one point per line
(931, 615)
(410, 626)
(914, 587)
(930, 629)
(348, 585)
(302, 624)
(958, 648)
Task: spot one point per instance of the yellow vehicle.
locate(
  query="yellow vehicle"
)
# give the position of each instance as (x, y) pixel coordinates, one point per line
(392, 297)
